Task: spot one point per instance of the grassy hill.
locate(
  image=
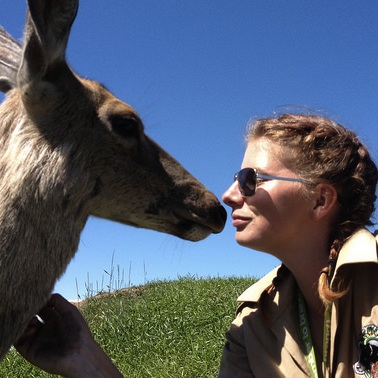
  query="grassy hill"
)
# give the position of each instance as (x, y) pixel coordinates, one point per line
(163, 329)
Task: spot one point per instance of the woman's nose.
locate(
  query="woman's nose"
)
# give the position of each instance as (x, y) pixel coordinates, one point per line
(232, 195)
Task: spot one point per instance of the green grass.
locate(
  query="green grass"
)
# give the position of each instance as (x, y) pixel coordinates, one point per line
(163, 329)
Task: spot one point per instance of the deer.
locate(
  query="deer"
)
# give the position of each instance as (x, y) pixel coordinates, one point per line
(69, 150)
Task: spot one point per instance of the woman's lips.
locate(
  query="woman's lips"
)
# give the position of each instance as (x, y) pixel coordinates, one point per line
(238, 221)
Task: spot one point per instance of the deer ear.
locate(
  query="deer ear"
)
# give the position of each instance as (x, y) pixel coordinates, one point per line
(46, 34)
(10, 57)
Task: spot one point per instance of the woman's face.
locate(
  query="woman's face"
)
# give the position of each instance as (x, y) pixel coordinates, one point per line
(277, 215)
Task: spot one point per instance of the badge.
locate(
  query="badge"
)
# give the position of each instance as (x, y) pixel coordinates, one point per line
(367, 364)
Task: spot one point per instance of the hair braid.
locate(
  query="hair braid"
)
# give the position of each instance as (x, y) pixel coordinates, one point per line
(326, 293)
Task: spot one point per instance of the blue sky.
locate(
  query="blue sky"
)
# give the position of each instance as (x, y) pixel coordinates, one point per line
(197, 71)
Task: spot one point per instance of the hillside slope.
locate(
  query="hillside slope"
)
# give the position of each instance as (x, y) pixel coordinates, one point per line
(163, 329)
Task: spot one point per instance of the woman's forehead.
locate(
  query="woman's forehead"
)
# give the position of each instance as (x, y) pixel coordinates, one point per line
(265, 156)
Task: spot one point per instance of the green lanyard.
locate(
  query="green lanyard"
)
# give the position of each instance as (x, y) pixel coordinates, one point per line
(306, 337)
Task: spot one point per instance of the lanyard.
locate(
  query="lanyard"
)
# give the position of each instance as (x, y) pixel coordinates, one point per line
(306, 337)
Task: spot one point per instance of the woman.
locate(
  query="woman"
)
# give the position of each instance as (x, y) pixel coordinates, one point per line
(304, 194)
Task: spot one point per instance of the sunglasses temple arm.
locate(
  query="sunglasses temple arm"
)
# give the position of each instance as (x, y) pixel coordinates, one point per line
(268, 177)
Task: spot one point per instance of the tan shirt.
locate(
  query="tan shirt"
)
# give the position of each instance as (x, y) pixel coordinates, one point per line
(266, 343)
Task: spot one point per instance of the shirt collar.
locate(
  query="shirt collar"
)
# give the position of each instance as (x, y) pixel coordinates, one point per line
(253, 293)
(360, 247)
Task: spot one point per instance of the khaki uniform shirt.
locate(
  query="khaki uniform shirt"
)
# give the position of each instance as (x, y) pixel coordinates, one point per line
(266, 343)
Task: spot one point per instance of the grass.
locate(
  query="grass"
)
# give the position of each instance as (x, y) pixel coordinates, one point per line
(162, 329)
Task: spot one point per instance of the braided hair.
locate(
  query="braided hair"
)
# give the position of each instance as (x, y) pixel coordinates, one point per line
(324, 151)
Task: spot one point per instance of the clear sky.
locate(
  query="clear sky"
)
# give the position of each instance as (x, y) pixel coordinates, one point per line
(197, 71)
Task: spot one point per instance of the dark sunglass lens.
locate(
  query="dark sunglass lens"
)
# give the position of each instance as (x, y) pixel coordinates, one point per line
(247, 182)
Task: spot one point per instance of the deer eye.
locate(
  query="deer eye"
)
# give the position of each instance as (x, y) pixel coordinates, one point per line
(126, 126)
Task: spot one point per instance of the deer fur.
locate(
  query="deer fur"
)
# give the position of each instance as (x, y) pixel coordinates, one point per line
(70, 149)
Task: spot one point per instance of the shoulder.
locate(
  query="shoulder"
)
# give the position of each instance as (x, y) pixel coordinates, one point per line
(361, 247)
(357, 268)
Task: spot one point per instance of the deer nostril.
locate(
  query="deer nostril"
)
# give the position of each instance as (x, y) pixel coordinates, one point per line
(219, 216)
(223, 213)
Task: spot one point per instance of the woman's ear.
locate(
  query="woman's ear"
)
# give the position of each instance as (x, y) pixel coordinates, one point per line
(325, 200)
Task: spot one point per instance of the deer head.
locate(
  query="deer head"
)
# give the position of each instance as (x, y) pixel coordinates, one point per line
(71, 149)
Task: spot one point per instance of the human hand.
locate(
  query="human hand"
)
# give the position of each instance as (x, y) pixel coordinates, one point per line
(63, 344)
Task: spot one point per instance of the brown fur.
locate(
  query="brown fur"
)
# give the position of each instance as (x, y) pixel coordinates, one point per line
(70, 149)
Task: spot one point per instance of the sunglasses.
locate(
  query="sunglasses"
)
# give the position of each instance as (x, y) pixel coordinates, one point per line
(248, 178)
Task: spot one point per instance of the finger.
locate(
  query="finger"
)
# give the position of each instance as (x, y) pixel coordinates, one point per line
(30, 331)
(60, 303)
(33, 325)
(57, 304)
(58, 313)
(47, 313)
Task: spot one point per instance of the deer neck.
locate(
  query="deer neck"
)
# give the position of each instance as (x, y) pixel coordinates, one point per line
(43, 197)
